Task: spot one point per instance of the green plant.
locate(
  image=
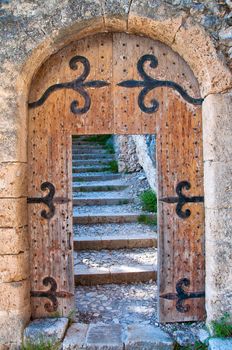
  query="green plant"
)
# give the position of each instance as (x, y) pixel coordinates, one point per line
(41, 345)
(149, 201)
(223, 327)
(98, 138)
(55, 314)
(109, 148)
(113, 166)
(71, 317)
(147, 220)
(196, 346)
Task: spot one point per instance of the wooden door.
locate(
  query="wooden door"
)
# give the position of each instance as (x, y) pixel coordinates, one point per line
(117, 84)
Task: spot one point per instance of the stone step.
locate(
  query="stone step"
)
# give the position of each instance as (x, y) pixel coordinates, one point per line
(115, 266)
(82, 162)
(116, 274)
(90, 169)
(100, 336)
(114, 230)
(115, 242)
(98, 218)
(96, 186)
(82, 150)
(105, 198)
(93, 156)
(104, 176)
(86, 143)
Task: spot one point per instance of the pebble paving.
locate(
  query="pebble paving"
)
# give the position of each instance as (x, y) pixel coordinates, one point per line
(107, 258)
(113, 229)
(112, 303)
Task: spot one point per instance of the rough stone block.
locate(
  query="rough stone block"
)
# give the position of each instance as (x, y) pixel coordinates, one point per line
(14, 295)
(147, 337)
(220, 344)
(218, 224)
(46, 330)
(104, 337)
(13, 179)
(184, 338)
(75, 337)
(217, 111)
(203, 335)
(12, 325)
(217, 303)
(116, 13)
(196, 47)
(219, 262)
(15, 267)
(13, 240)
(13, 212)
(155, 20)
(218, 185)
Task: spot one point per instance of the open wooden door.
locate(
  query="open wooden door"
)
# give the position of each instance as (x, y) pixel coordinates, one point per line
(122, 84)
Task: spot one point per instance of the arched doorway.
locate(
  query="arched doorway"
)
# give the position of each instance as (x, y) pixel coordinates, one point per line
(117, 84)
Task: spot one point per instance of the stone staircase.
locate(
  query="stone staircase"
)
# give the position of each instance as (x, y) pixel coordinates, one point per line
(110, 246)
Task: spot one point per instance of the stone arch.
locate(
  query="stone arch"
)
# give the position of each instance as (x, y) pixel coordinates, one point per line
(214, 78)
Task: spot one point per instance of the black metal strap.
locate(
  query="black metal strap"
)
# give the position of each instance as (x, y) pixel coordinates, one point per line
(148, 83)
(181, 295)
(181, 199)
(50, 294)
(79, 85)
(48, 200)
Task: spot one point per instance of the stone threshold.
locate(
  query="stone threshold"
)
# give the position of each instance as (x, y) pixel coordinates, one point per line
(97, 336)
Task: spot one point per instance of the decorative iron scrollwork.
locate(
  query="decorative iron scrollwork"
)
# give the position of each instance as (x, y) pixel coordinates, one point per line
(79, 85)
(181, 199)
(48, 200)
(50, 294)
(148, 83)
(181, 295)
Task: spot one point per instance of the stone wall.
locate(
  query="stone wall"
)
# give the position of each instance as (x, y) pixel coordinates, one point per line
(125, 152)
(136, 152)
(146, 153)
(31, 31)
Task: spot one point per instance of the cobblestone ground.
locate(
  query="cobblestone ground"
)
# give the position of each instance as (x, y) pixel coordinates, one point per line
(125, 304)
(112, 303)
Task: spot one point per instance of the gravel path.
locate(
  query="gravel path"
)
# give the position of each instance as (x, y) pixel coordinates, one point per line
(112, 229)
(106, 209)
(112, 303)
(125, 304)
(122, 257)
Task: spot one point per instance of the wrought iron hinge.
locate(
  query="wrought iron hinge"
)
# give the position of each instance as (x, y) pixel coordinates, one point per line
(48, 200)
(79, 85)
(50, 294)
(148, 83)
(181, 199)
(181, 295)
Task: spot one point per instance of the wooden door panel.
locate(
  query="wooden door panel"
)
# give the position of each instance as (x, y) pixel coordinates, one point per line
(125, 76)
(181, 252)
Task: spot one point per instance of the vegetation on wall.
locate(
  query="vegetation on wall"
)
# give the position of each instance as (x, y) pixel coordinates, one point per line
(223, 327)
(149, 201)
(41, 345)
(113, 164)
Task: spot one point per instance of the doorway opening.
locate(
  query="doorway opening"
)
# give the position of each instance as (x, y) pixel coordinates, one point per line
(115, 228)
